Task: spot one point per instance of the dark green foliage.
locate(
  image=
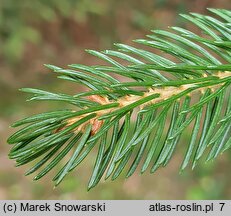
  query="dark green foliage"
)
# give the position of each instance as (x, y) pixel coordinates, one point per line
(191, 89)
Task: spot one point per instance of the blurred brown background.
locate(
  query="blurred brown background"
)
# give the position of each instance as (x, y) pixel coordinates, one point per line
(57, 32)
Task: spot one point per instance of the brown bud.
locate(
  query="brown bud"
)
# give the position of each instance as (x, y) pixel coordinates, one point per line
(98, 99)
(96, 125)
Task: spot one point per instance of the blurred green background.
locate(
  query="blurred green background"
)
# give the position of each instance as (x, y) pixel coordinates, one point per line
(57, 32)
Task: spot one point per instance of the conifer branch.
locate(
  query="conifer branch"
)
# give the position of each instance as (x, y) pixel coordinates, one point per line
(163, 98)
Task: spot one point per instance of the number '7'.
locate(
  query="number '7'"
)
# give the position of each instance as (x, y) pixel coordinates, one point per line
(222, 205)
